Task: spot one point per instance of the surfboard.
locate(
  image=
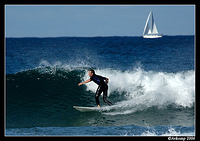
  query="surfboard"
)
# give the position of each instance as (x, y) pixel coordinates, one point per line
(86, 109)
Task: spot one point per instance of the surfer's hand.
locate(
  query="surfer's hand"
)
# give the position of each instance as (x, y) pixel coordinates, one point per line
(107, 80)
(79, 84)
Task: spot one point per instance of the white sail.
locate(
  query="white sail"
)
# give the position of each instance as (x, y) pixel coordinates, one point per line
(146, 28)
(150, 30)
(154, 29)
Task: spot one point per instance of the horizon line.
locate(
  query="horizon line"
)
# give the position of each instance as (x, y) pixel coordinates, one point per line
(90, 36)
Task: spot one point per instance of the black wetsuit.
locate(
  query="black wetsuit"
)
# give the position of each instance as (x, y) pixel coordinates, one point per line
(103, 87)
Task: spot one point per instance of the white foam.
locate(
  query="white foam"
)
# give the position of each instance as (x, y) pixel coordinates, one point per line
(171, 132)
(148, 88)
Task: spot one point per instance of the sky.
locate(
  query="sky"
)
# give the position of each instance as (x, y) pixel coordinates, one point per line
(96, 20)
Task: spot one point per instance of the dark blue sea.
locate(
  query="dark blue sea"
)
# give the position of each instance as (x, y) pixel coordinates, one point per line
(151, 84)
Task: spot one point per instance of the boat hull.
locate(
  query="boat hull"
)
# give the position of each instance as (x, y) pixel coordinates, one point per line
(152, 36)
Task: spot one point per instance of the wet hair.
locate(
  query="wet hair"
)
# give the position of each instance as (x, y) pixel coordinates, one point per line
(92, 71)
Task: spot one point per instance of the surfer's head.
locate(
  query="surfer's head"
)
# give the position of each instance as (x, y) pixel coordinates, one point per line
(91, 73)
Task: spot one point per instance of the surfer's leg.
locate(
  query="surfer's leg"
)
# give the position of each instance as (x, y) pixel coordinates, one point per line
(105, 96)
(98, 93)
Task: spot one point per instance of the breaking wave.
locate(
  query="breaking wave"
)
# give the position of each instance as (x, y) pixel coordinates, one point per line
(144, 89)
(50, 91)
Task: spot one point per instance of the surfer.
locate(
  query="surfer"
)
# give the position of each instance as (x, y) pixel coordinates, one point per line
(103, 87)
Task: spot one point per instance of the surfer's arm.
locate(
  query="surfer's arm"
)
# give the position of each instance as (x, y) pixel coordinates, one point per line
(104, 78)
(84, 82)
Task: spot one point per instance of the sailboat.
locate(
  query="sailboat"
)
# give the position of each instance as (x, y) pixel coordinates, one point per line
(150, 30)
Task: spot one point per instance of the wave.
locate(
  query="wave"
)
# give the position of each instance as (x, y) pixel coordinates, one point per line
(48, 92)
(135, 87)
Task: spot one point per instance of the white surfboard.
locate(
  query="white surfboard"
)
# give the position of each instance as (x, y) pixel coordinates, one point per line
(86, 109)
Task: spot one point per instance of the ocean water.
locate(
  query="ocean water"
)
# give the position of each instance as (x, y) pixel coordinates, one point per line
(151, 84)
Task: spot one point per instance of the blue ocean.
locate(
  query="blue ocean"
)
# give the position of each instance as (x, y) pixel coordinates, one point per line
(151, 85)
